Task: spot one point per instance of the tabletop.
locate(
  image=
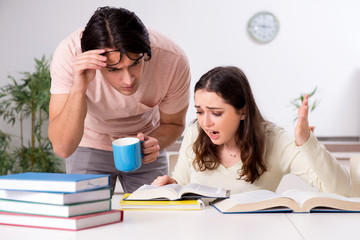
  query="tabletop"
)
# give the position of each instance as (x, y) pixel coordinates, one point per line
(205, 224)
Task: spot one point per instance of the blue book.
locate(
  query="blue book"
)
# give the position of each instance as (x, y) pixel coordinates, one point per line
(54, 182)
(56, 197)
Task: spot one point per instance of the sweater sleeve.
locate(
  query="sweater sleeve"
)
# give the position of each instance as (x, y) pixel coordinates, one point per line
(314, 164)
(186, 155)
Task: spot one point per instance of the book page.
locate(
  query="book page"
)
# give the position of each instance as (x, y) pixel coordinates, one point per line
(176, 188)
(169, 191)
(203, 190)
(255, 201)
(171, 187)
(302, 196)
(299, 196)
(254, 196)
(311, 200)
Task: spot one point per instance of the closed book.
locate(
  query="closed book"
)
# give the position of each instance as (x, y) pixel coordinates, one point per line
(62, 223)
(54, 209)
(56, 197)
(188, 204)
(53, 182)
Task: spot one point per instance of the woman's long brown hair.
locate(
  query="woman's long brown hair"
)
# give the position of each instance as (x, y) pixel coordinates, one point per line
(231, 84)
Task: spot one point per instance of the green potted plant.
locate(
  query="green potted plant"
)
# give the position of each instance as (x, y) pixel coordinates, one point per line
(313, 103)
(21, 101)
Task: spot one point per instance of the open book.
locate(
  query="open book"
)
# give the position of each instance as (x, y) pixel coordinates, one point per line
(176, 191)
(290, 201)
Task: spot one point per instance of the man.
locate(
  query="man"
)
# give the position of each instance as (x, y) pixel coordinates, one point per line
(115, 79)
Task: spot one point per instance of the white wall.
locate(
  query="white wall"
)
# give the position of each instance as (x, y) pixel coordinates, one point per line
(318, 44)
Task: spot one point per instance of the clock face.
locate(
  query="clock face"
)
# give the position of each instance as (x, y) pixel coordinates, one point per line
(263, 27)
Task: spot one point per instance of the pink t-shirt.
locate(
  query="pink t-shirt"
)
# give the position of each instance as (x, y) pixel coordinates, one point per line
(164, 86)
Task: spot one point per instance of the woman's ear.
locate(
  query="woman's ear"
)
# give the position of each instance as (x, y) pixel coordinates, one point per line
(242, 113)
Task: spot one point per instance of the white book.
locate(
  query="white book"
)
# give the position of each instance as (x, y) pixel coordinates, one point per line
(53, 209)
(53, 182)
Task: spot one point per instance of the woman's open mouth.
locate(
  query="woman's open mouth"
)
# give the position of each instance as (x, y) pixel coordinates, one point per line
(213, 134)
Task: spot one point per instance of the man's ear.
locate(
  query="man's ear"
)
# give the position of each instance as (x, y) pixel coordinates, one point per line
(242, 113)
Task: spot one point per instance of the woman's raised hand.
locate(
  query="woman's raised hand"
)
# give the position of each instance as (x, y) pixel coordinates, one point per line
(302, 130)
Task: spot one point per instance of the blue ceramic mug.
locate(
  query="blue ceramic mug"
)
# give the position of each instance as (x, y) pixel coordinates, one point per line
(127, 154)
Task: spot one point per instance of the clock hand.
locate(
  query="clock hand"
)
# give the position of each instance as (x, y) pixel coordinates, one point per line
(265, 26)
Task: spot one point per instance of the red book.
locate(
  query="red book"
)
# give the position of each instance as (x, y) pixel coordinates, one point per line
(62, 223)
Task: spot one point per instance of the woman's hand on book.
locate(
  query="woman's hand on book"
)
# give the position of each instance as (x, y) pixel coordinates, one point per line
(163, 180)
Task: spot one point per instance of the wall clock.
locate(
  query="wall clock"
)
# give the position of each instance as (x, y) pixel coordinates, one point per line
(263, 27)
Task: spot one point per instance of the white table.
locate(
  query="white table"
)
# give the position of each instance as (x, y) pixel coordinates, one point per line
(317, 226)
(205, 224)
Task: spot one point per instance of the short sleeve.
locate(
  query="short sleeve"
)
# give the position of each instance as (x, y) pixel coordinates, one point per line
(61, 64)
(178, 96)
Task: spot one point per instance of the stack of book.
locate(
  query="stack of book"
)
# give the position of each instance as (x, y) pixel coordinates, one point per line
(56, 200)
(171, 197)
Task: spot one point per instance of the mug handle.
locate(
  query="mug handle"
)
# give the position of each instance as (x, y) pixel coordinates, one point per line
(142, 155)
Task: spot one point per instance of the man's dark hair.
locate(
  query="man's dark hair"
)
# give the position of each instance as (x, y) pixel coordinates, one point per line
(116, 28)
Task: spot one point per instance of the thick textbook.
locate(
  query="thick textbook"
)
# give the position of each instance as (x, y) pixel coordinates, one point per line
(54, 209)
(290, 201)
(176, 191)
(188, 204)
(62, 223)
(54, 182)
(56, 197)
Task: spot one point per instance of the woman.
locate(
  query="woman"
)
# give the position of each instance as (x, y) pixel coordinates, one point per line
(232, 146)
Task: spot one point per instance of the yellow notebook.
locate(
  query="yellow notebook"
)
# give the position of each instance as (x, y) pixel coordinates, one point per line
(189, 204)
